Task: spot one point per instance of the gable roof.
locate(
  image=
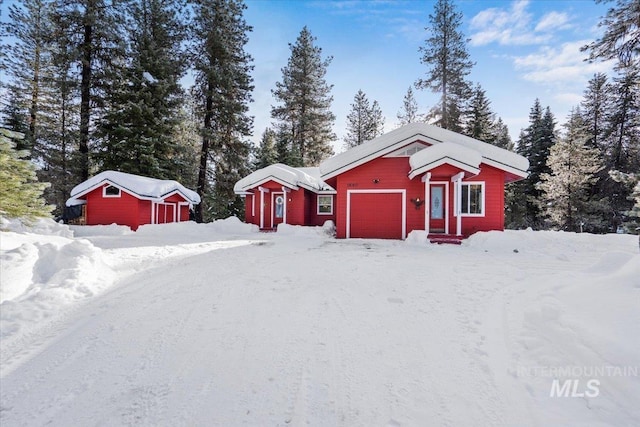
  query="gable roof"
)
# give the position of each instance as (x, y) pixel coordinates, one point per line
(287, 176)
(140, 186)
(457, 155)
(491, 155)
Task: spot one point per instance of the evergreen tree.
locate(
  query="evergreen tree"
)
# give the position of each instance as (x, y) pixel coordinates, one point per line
(96, 27)
(409, 111)
(573, 169)
(15, 113)
(596, 108)
(480, 118)
(622, 146)
(223, 90)
(304, 112)
(143, 114)
(30, 28)
(445, 54)
(59, 117)
(364, 121)
(501, 135)
(620, 40)
(20, 191)
(188, 142)
(267, 151)
(534, 143)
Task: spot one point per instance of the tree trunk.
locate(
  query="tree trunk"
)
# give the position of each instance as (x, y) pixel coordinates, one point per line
(85, 94)
(204, 156)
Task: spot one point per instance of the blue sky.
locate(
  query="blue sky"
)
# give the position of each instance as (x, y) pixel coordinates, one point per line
(523, 50)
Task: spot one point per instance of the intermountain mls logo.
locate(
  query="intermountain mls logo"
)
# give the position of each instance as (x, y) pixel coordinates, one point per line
(577, 381)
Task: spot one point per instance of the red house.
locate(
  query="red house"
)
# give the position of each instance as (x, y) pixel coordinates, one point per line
(417, 177)
(126, 199)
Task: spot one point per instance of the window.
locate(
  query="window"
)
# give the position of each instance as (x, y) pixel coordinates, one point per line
(473, 199)
(325, 205)
(110, 191)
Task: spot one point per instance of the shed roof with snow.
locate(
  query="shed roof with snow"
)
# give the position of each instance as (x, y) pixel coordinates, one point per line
(294, 178)
(141, 186)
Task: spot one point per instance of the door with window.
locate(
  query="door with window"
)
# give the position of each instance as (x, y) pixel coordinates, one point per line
(277, 216)
(437, 207)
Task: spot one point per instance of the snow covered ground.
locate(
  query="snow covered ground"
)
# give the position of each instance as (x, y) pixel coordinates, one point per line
(217, 324)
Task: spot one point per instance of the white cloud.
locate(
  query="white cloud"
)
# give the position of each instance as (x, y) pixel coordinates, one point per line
(552, 21)
(515, 26)
(561, 65)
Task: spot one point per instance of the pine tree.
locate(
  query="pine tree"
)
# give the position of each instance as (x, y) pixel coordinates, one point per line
(445, 54)
(143, 113)
(534, 143)
(267, 151)
(15, 114)
(622, 146)
(409, 111)
(59, 137)
(480, 118)
(621, 40)
(574, 168)
(501, 135)
(20, 191)
(304, 117)
(223, 90)
(29, 26)
(364, 121)
(596, 107)
(96, 27)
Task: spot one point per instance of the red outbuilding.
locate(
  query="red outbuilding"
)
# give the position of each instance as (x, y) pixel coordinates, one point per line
(125, 199)
(417, 177)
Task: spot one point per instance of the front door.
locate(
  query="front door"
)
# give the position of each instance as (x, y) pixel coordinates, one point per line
(437, 208)
(278, 209)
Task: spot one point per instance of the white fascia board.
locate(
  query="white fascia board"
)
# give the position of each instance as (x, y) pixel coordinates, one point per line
(317, 191)
(267, 179)
(506, 168)
(176, 191)
(373, 155)
(441, 161)
(111, 183)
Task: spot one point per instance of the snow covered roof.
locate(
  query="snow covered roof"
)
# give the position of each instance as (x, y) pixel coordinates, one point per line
(140, 186)
(457, 155)
(491, 155)
(293, 178)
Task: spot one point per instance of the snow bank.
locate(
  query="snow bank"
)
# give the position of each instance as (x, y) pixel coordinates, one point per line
(558, 244)
(328, 229)
(40, 279)
(43, 226)
(100, 230)
(417, 238)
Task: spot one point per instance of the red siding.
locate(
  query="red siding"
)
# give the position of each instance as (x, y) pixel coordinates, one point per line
(376, 215)
(379, 174)
(131, 211)
(121, 210)
(391, 173)
(493, 218)
(301, 206)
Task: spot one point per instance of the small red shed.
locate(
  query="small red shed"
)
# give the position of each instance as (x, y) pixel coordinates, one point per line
(133, 200)
(417, 177)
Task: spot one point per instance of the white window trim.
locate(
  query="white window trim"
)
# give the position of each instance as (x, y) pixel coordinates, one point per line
(484, 208)
(111, 196)
(318, 204)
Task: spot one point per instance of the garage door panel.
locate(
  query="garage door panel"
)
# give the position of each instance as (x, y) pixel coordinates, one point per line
(376, 215)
